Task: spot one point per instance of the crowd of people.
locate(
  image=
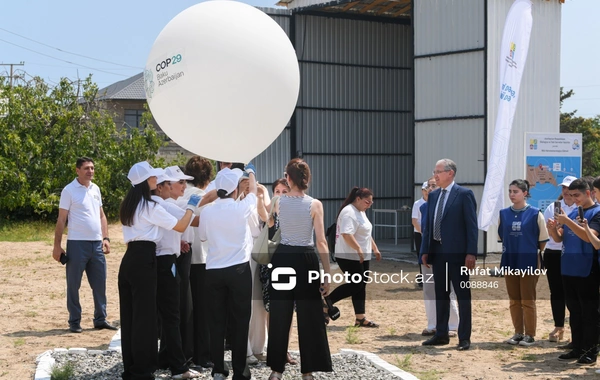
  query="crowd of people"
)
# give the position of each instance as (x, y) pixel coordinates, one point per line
(188, 276)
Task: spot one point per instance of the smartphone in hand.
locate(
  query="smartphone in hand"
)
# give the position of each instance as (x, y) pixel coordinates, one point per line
(580, 210)
(556, 207)
(63, 258)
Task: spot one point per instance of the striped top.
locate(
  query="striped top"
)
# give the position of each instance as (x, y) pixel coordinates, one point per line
(295, 221)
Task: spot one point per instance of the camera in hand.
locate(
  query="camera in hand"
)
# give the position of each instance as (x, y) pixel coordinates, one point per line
(556, 207)
(580, 210)
(332, 311)
(63, 258)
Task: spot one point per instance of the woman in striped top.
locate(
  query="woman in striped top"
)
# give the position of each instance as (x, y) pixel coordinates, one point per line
(300, 216)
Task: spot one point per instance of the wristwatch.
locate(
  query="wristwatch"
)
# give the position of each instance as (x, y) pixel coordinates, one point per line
(107, 239)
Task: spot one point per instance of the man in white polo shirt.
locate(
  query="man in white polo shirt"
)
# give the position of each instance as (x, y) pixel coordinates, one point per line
(87, 243)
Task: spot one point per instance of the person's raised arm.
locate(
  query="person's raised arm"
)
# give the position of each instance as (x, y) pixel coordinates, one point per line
(554, 231)
(260, 203)
(562, 218)
(193, 203)
(251, 170)
(592, 234)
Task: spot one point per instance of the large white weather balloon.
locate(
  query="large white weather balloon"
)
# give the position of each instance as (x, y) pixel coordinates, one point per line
(222, 80)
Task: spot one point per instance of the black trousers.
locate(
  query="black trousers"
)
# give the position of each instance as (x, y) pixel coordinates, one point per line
(442, 295)
(581, 296)
(201, 336)
(230, 295)
(352, 289)
(312, 335)
(184, 263)
(555, 283)
(137, 301)
(418, 239)
(170, 353)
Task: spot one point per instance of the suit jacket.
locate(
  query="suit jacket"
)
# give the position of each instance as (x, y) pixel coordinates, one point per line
(459, 226)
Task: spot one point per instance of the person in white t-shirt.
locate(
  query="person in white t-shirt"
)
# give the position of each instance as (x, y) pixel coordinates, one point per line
(552, 255)
(416, 213)
(170, 353)
(144, 222)
(184, 260)
(354, 246)
(87, 243)
(224, 226)
(201, 170)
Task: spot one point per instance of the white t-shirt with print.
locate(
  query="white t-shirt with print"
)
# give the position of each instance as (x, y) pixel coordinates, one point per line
(83, 204)
(353, 222)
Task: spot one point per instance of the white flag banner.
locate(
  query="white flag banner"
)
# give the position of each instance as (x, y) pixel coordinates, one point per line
(513, 54)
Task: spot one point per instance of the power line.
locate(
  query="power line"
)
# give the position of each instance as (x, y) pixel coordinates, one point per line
(68, 52)
(59, 59)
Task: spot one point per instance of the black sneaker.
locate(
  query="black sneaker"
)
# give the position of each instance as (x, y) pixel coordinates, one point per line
(570, 356)
(587, 360)
(527, 341)
(568, 346)
(515, 339)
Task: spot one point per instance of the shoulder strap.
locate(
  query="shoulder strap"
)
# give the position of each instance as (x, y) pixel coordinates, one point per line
(274, 203)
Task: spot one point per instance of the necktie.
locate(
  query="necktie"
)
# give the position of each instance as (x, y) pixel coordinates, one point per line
(437, 227)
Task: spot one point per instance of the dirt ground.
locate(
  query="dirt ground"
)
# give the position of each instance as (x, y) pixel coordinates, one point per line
(33, 319)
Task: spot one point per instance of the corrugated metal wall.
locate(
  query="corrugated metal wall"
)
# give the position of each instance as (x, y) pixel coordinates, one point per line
(450, 89)
(354, 116)
(538, 109)
(271, 162)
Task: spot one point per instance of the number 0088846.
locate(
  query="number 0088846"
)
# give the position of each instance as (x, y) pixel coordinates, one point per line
(479, 284)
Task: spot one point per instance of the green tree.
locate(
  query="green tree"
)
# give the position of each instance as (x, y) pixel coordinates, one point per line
(590, 130)
(44, 130)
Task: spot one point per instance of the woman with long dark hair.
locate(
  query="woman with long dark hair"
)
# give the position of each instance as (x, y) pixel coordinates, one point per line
(522, 231)
(143, 222)
(354, 247)
(299, 217)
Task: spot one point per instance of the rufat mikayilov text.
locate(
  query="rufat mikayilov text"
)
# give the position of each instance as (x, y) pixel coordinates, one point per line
(504, 271)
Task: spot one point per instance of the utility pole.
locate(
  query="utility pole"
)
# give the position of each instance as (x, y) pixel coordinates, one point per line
(11, 69)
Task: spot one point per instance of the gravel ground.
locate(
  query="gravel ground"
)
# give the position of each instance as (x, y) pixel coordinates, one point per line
(108, 365)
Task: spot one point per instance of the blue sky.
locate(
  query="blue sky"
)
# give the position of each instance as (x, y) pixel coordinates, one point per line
(123, 32)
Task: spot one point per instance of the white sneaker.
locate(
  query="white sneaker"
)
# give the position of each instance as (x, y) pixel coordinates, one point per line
(251, 360)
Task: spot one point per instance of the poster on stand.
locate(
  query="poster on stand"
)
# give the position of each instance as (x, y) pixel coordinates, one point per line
(549, 158)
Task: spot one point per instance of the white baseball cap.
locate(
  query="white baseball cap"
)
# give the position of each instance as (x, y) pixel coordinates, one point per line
(228, 179)
(176, 173)
(165, 177)
(567, 181)
(142, 171)
(425, 185)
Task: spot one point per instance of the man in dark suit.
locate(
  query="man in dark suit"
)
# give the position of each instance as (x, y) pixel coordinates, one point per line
(449, 243)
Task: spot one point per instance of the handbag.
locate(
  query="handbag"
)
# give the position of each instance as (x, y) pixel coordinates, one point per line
(263, 248)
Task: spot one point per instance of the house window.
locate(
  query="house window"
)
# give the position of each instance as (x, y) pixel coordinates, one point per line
(133, 119)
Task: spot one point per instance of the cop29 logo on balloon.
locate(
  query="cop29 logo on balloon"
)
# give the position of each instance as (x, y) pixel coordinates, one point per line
(222, 80)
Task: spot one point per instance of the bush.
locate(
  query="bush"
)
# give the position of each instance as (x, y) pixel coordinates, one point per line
(44, 130)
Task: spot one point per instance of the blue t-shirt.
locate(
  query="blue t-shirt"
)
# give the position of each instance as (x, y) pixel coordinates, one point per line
(577, 255)
(519, 232)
